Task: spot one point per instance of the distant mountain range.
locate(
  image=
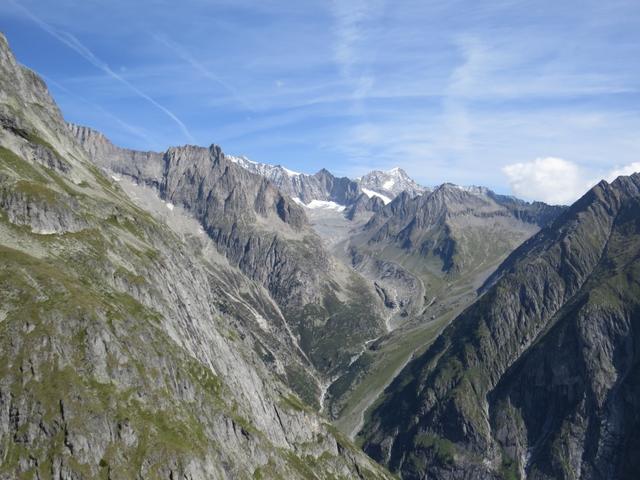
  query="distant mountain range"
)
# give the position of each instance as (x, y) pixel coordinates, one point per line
(324, 186)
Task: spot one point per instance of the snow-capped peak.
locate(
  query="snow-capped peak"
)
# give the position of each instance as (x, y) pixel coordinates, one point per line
(272, 172)
(242, 161)
(389, 183)
(304, 189)
(291, 173)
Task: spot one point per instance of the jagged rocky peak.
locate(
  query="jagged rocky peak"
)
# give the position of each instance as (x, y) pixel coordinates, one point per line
(364, 205)
(323, 186)
(272, 172)
(233, 191)
(454, 223)
(225, 188)
(471, 189)
(320, 190)
(20, 84)
(89, 137)
(450, 199)
(144, 167)
(388, 184)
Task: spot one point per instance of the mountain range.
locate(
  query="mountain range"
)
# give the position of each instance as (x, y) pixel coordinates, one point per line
(324, 186)
(539, 377)
(192, 314)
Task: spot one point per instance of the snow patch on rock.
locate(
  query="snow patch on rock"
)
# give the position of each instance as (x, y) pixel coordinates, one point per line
(327, 205)
(371, 193)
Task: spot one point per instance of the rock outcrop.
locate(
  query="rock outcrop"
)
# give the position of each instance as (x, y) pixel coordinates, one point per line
(453, 224)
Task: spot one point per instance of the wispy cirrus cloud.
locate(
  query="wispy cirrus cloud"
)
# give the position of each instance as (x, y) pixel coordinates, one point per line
(131, 129)
(184, 54)
(353, 22)
(73, 43)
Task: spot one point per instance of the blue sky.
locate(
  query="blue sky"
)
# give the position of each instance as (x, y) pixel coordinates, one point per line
(538, 98)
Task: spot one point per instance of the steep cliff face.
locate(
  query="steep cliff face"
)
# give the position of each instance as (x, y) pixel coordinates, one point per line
(364, 205)
(147, 166)
(539, 377)
(197, 176)
(127, 348)
(265, 234)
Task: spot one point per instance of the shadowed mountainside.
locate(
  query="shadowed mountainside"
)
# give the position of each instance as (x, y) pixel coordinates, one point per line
(539, 377)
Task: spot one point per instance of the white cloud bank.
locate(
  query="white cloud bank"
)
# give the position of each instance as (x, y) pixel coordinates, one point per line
(626, 170)
(557, 181)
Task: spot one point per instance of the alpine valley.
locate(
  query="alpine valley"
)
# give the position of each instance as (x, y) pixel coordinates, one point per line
(189, 314)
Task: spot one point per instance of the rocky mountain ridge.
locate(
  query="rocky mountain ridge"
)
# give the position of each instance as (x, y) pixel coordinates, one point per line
(322, 186)
(401, 291)
(443, 228)
(442, 223)
(427, 256)
(266, 235)
(538, 378)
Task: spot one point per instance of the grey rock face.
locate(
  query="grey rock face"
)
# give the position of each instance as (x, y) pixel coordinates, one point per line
(175, 172)
(364, 205)
(42, 210)
(247, 216)
(537, 378)
(143, 166)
